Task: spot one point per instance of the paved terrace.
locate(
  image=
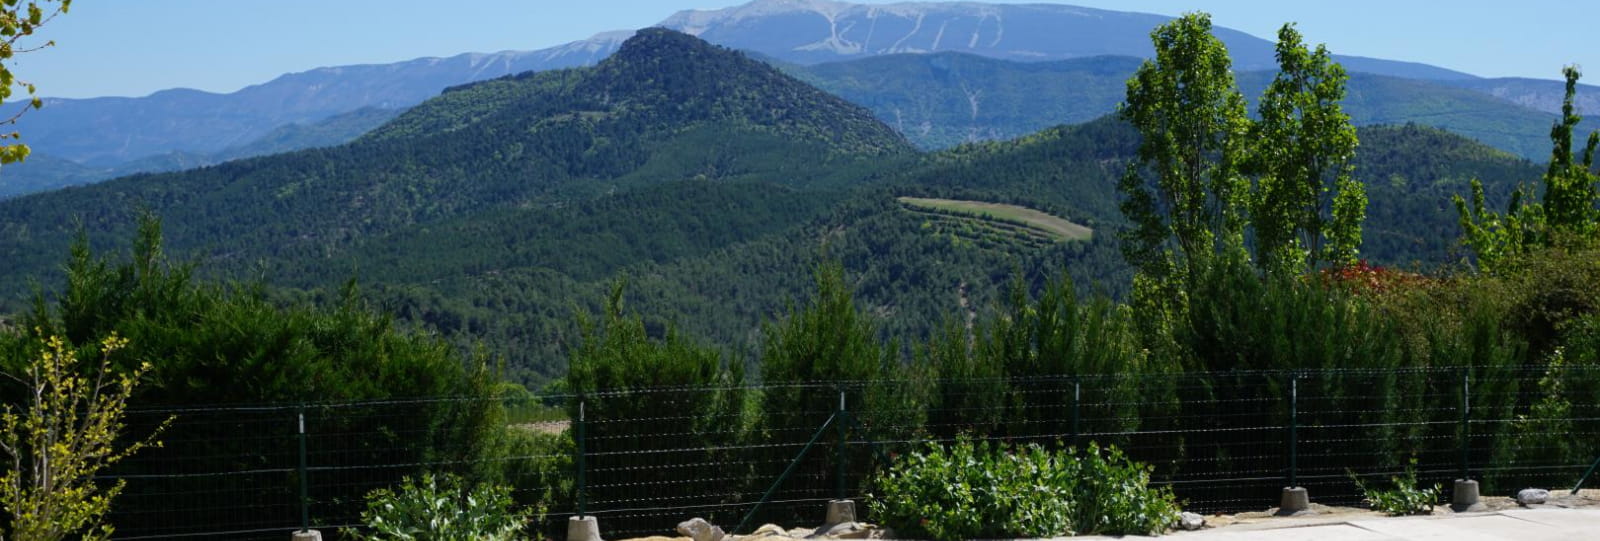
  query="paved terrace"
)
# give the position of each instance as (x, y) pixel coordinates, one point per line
(1519, 525)
(1565, 517)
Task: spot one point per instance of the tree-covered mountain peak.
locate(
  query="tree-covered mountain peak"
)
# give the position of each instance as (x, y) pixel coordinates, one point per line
(657, 44)
(676, 78)
(659, 83)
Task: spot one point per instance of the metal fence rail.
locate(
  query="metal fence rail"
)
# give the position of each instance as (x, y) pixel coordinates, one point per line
(641, 460)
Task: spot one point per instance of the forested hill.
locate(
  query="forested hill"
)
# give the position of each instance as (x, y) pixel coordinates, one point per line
(914, 272)
(1411, 173)
(539, 140)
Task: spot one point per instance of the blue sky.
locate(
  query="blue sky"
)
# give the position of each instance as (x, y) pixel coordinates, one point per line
(134, 47)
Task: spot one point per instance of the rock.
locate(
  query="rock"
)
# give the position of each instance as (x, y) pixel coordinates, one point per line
(767, 530)
(843, 530)
(1191, 521)
(859, 533)
(1532, 496)
(698, 529)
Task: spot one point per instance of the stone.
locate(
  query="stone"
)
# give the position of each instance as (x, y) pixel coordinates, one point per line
(306, 535)
(583, 529)
(1191, 521)
(843, 530)
(857, 531)
(1465, 497)
(1533, 496)
(767, 530)
(698, 529)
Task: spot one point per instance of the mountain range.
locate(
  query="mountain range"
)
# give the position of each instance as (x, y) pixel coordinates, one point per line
(944, 99)
(86, 140)
(709, 182)
(43, 171)
(816, 31)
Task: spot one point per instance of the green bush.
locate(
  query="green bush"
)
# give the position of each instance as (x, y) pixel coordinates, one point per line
(539, 466)
(441, 509)
(1112, 495)
(1404, 499)
(983, 490)
(219, 343)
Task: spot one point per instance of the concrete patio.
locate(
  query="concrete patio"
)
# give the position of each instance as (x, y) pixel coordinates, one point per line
(1518, 524)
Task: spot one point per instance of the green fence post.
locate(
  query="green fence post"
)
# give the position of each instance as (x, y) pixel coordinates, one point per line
(787, 471)
(1294, 422)
(1466, 428)
(1294, 499)
(1585, 477)
(305, 498)
(579, 465)
(1077, 400)
(840, 458)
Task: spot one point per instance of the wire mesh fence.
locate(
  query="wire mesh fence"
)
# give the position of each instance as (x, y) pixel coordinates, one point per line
(641, 460)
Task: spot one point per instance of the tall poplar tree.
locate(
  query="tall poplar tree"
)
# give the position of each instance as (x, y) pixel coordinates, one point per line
(1208, 177)
(1307, 206)
(1186, 195)
(1567, 216)
(1569, 197)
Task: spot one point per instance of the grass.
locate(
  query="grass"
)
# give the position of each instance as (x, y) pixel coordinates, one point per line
(1052, 226)
(534, 412)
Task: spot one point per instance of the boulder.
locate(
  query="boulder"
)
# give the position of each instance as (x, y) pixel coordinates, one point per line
(1191, 521)
(698, 529)
(1533, 496)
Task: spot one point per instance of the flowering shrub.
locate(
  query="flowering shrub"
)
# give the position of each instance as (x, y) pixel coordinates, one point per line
(1363, 277)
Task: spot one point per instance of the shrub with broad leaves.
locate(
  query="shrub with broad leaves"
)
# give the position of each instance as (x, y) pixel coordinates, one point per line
(984, 490)
(442, 508)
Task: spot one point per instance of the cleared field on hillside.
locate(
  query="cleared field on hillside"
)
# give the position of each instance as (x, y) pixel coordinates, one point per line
(1051, 225)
